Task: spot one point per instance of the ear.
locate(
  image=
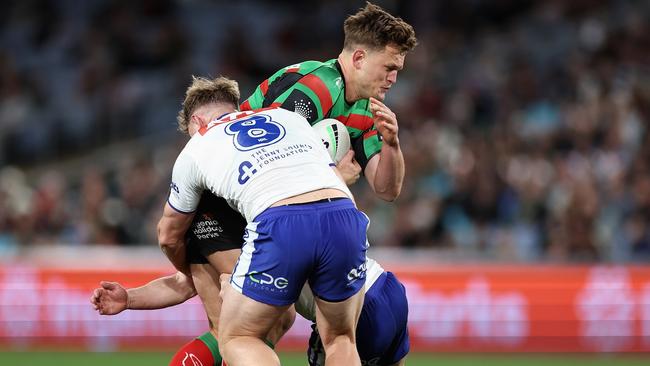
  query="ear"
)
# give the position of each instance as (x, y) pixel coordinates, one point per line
(358, 57)
(199, 121)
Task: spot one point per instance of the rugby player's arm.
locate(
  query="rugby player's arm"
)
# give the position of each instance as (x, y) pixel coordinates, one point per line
(171, 236)
(179, 211)
(385, 171)
(111, 298)
(161, 293)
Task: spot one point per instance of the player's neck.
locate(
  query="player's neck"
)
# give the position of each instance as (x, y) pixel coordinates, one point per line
(221, 110)
(348, 77)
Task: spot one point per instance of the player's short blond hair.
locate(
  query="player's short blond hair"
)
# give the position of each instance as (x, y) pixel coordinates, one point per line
(374, 27)
(204, 91)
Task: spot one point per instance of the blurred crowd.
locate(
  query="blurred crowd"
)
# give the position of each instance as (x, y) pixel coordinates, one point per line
(523, 123)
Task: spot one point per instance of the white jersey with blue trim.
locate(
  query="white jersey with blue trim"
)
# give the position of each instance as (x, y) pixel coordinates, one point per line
(252, 159)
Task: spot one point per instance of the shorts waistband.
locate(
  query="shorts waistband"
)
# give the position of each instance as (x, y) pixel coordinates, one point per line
(322, 206)
(319, 201)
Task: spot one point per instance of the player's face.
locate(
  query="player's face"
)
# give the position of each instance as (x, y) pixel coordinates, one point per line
(379, 72)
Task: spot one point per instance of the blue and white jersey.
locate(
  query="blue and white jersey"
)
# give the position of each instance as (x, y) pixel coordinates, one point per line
(248, 158)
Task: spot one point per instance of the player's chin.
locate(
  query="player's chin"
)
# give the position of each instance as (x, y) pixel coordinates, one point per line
(380, 95)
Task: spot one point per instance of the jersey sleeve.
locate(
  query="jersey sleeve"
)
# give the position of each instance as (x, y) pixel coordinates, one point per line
(366, 146)
(364, 137)
(185, 188)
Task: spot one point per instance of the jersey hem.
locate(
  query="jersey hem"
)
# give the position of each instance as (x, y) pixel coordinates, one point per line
(179, 210)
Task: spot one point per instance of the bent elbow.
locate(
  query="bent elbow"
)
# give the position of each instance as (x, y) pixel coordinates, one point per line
(390, 197)
(389, 194)
(165, 240)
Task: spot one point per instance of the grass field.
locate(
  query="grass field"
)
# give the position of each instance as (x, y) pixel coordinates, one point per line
(298, 359)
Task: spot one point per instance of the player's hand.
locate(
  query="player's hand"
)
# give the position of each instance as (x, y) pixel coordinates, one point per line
(110, 299)
(385, 121)
(349, 169)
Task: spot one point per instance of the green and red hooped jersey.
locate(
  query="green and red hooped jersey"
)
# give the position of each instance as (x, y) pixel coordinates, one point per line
(316, 90)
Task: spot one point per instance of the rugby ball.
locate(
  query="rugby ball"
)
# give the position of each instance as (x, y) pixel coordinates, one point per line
(335, 137)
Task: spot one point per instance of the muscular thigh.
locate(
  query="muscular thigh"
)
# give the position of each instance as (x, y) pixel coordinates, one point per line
(243, 316)
(224, 261)
(206, 282)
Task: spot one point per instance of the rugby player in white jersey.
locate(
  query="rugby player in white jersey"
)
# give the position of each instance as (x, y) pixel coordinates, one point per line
(214, 243)
(303, 226)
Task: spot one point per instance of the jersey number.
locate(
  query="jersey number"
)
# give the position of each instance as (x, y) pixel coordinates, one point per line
(254, 132)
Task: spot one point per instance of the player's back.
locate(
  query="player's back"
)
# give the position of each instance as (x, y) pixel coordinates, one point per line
(254, 159)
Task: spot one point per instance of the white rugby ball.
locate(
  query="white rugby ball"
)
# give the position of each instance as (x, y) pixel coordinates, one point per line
(335, 137)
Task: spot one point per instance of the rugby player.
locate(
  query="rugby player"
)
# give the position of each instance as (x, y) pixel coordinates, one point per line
(379, 341)
(351, 89)
(273, 168)
(215, 237)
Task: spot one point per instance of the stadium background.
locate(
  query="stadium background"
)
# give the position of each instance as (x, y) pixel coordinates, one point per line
(523, 225)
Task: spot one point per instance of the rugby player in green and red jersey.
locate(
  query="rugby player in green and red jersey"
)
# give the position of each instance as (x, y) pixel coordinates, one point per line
(351, 89)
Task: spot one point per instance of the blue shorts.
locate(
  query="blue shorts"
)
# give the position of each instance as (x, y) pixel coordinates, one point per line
(321, 242)
(382, 333)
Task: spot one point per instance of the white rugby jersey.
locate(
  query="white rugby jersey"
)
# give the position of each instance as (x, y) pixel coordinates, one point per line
(252, 159)
(305, 305)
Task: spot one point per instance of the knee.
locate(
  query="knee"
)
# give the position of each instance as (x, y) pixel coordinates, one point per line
(224, 336)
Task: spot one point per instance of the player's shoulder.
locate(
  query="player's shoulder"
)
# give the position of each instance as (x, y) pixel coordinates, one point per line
(327, 71)
(310, 66)
(330, 74)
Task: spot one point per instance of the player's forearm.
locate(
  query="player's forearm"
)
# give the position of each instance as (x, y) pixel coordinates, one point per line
(171, 240)
(389, 177)
(160, 293)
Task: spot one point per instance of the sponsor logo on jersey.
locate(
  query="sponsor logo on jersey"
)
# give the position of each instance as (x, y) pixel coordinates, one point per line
(357, 273)
(174, 187)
